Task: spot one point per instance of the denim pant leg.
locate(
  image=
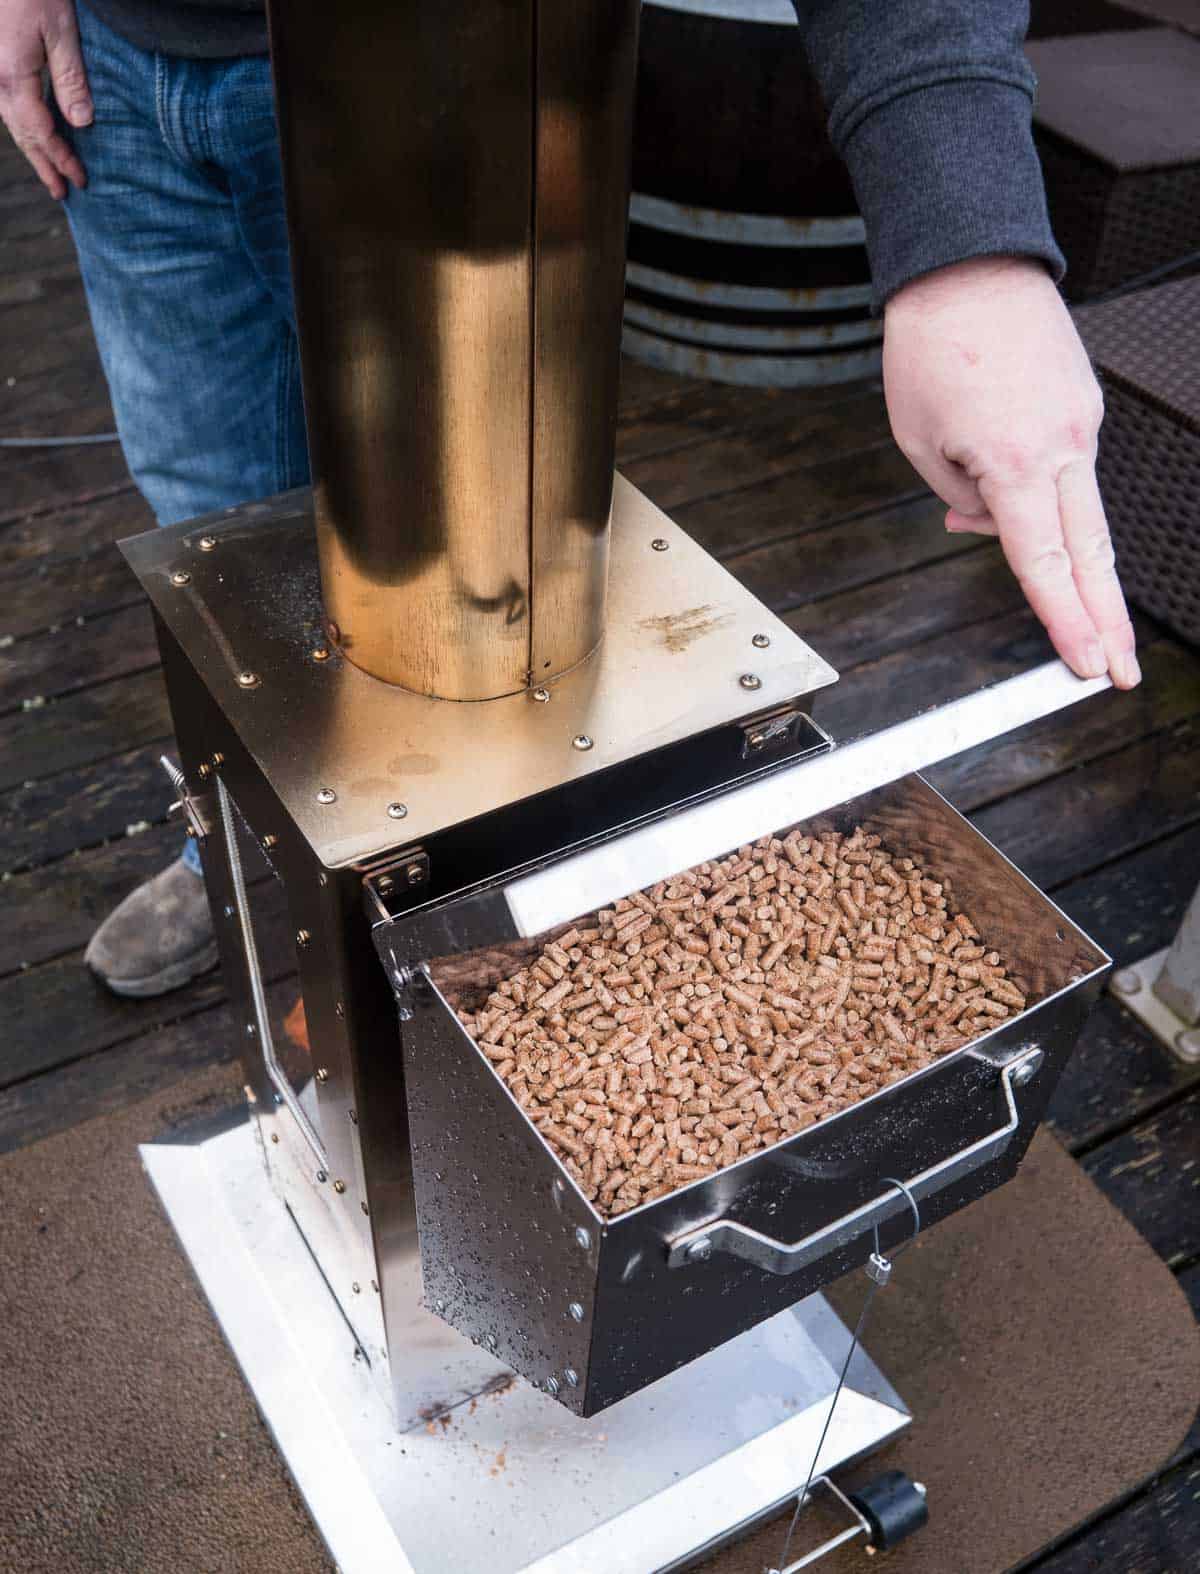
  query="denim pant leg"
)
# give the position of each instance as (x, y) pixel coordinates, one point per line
(183, 248)
(182, 245)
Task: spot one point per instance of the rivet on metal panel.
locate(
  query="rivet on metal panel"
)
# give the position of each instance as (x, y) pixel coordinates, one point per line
(1028, 1069)
(356, 1287)
(492, 1341)
(227, 910)
(659, 544)
(322, 878)
(1187, 1045)
(321, 653)
(205, 769)
(761, 641)
(250, 1030)
(415, 874)
(181, 577)
(572, 1376)
(207, 543)
(248, 680)
(339, 1009)
(340, 1187)
(552, 1386)
(397, 811)
(384, 884)
(321, 1074)
(218, 760)
(439, 1306)
(583, 1238)
(326, 795)
(303, 937)
(269, 840)
(1126, 982)
(581, 741)
(322, 1177)
(542, 696)
(576, 1311)
(274, 1136)
(750, 680)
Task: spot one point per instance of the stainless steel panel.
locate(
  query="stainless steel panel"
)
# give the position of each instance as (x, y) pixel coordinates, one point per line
(586, 56)
(505, 1254)
(457, 183)
(406, 135)
(679, 641)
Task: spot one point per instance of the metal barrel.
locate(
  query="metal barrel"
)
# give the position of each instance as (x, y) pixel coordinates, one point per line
(747, 257)
(457, 183)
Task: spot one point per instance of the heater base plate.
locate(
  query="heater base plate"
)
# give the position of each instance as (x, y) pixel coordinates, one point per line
(508, 1480)
(362, 766)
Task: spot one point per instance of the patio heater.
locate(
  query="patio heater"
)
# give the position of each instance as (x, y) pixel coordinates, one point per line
(469, 689)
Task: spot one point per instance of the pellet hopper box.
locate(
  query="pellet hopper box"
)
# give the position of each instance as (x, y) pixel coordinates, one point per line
(593, 1309)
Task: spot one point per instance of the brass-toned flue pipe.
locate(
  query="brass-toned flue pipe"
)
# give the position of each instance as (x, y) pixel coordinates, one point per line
(457, 184)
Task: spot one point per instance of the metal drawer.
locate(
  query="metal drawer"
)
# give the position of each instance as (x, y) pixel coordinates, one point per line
(515, 1257)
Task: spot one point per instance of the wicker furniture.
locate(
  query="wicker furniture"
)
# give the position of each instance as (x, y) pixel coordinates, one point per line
(1146, 350)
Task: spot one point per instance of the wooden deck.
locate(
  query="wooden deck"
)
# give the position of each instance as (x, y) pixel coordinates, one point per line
(806, 499)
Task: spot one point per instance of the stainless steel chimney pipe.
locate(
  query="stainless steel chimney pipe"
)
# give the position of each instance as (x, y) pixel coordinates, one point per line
(457, 186)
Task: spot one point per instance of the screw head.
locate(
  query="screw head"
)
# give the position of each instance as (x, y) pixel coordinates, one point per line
(207, 543)
(414, 874)
(761, 641)
(576, 1311)
(339, 1186)
(251, 1030)
(181, 577)
(321, 653)
(248, 680)
(303, 937)
(269, 840)
(1127, 981)
(583, 1238)
(356, 1287)
(274, 1136)
(542, 696)
(582, 742)
(700, 1251)
(326, 795)
(572, 1376)
(439, 1306)
(205, 770)
(321, 1074)
(322, 1177)
(660, 545)
(750, 680)
(552, 1386)
(397, 811)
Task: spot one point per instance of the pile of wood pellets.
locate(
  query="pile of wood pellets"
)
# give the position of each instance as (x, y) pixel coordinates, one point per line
(732, 1006)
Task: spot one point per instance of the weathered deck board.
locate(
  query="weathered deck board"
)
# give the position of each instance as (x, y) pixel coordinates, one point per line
(810, 504)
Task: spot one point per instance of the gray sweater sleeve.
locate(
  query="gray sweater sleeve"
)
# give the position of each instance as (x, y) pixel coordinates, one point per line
(930, 105)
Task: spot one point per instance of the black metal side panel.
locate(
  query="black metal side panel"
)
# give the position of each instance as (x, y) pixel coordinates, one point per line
(651, 1318)
(500, 1255)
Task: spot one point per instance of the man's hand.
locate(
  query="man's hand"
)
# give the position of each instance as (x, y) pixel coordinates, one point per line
(34, 35)
(991, 397)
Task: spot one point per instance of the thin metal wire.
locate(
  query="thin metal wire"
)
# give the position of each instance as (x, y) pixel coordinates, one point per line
(854, 1343)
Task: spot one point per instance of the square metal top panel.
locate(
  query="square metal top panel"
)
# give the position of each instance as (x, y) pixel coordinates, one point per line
(679, 641)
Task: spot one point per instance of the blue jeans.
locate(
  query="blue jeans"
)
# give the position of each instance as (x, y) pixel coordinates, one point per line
(183, 247)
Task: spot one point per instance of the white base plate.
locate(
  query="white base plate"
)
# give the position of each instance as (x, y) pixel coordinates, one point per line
(507, 1482)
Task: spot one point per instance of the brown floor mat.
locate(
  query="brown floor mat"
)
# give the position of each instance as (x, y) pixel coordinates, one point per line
(1048, 1356)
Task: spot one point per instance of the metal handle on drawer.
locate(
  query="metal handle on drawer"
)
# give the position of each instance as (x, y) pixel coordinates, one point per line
(698, 1245)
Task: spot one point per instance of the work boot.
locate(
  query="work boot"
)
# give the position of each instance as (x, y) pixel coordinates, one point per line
(158, 938)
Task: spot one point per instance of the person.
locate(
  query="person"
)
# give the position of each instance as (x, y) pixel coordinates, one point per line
(158, 130)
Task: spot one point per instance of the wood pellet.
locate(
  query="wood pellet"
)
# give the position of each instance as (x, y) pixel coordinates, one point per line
(719, 1012)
